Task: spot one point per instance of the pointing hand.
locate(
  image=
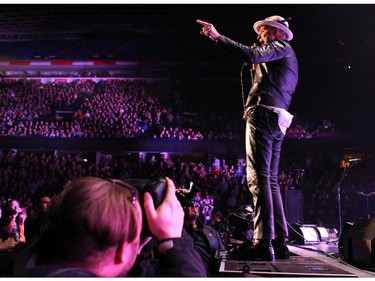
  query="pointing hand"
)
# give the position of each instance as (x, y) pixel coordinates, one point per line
(209, 30)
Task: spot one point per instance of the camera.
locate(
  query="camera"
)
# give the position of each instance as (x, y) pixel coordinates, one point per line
(185, 196)
(156, 187)
(242, 219)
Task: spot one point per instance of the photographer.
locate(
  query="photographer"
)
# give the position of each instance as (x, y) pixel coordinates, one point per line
(12, 234)
(241, 225)
(96, 232)
(38, 221)
(12, 222)
(207, 240)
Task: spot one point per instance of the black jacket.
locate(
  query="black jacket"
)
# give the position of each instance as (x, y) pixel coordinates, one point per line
(180, 261)
(211, 252)
(274, 70)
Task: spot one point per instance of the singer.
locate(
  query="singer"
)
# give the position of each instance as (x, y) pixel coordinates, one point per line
(274, 79)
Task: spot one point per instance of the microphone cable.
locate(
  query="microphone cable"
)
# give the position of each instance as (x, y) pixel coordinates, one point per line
(242, 87)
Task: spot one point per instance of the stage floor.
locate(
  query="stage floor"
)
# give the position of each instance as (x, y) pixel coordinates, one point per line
(315, 260)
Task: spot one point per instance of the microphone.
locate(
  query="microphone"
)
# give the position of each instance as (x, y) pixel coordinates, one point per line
(355, 160)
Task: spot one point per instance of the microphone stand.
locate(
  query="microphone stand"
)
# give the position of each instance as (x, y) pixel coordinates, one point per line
(299, 185)
(338, 190)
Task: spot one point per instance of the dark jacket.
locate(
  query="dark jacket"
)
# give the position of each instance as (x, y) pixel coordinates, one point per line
(274, 71)
(151, 263)
(180, 261)
(211, 252)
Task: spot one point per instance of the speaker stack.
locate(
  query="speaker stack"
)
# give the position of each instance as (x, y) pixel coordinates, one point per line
(293, 206)
(359, 243)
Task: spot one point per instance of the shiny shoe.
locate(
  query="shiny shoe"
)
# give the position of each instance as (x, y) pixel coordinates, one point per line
(252, 252)
(280, 249)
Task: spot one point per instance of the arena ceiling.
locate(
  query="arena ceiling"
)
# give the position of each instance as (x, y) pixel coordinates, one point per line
(94, 18)
(318, 28)
(321, 30)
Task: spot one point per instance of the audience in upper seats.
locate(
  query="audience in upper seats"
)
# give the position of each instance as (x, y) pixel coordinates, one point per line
(118, 108)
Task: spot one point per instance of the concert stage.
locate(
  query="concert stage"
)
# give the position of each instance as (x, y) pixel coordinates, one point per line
(312, 260)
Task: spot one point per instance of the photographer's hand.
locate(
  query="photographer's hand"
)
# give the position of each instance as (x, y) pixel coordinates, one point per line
(167, 220)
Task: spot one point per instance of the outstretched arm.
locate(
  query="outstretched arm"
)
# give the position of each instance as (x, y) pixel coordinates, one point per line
(223, 42)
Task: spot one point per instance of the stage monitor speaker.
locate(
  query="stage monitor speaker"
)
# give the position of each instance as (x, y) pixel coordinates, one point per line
(345, 229)
(323, 233)
(293, 206)
(359, 243)
(304, 234)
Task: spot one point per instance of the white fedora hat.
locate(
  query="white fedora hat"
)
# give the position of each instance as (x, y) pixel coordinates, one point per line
(275, 21)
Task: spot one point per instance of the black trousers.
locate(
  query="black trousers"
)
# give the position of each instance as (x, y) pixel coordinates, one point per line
(263, 148)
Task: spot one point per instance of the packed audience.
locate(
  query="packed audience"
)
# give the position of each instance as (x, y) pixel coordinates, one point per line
(120, 109)
(222, 183)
